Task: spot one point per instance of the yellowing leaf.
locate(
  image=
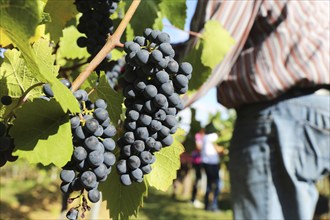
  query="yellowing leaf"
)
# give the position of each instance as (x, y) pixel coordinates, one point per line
(122, 201)
(167, 163)
(216, 43)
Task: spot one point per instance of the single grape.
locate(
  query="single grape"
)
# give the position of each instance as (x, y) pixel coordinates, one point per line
(142, 57)
(100, 103)
(101, 171)
(134, 162)
(95, 158)
(125, 179)
(72, 214)
(146, 169)
(75, 122)
(67, 175)
(79, 153)
(48, 90)
(121, 166)
(141, 133)
(150, 91)
(137, 174)
(162, 77)
(91, 143)
(91, 125)
(109, 159)
(145, 157)
(94, 195)
(109, 144)
(109, 131)
(145, 120)
(166, 89)
(6, 100)
(88, 179)
(101, 114)
(138, 146)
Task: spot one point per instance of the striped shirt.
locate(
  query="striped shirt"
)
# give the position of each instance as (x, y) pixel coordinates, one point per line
(280, 45)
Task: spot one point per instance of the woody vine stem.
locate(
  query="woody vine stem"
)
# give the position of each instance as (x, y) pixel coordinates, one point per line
(112, 42)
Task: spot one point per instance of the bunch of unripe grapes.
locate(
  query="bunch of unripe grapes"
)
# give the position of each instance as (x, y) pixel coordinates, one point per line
(93, 142)
(6, 142)
(96, 24)
(152, 83)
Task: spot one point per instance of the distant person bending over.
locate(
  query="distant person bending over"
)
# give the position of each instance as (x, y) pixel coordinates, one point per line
(211, 164)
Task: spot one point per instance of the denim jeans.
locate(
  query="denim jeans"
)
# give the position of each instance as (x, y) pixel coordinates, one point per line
(277, 153)
(212, 185)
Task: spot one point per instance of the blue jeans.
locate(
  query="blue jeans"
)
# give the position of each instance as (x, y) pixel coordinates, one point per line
(277, 153)
(212, 185)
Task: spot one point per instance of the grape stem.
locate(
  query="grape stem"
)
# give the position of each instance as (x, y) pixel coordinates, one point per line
(112, 42)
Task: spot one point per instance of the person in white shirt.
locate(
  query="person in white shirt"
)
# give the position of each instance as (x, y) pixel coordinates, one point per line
(211, 164)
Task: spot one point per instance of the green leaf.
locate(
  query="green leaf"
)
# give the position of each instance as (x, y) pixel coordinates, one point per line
(44, 55)
(200, 71)
(139, 21)
(174, 11)
(42, 133)
(216, 43)
(167, 163)
(114, 99)
(19, 19)
(68, 44)
(61, 12)
(122, 201)
(15, 77)
(208, 52)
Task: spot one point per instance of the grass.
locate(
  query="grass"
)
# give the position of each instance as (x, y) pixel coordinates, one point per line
(27, 192)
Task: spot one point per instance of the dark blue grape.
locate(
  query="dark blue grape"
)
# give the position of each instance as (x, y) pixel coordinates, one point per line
(94, 195)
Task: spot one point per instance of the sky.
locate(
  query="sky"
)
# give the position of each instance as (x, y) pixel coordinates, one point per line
(207, 104)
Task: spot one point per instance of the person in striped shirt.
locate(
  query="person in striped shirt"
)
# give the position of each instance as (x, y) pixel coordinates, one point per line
(277, 78)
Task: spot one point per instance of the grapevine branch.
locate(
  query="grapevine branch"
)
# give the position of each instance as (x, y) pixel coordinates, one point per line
(112, 42)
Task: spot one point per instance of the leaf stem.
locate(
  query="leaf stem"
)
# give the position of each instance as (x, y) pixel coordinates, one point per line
(111, 43)
(21, 100)
(192, 33)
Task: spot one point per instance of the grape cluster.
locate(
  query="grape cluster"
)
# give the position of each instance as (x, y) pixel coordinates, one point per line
(6, 142)
(152, 83)
(93, 156)
(96, 24)
(116, 68)
(6, 145)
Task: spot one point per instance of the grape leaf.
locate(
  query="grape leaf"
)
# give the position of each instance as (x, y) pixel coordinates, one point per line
(114, 99)
(200, 71)
(19, 20)
(208, 52)
(68, 46)
(61, 12)
(216, 43)
(139, 21)
(174, 11)
(42, 133)
(122, 201)
(15, 78)
(166, 165)
(44, 55)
